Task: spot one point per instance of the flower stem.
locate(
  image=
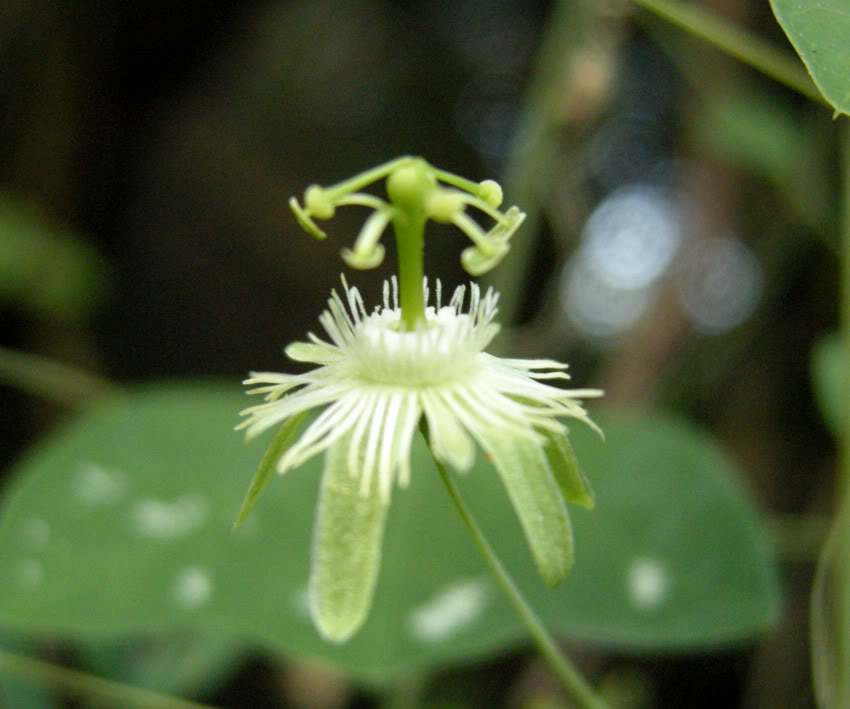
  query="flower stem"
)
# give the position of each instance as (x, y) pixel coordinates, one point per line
(569, 675)
(81, 684)
(410, 242)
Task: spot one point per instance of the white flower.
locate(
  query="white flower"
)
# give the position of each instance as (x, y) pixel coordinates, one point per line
(376, 381)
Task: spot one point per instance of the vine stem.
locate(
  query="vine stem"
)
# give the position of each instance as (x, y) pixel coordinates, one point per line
(82, 684)
(534, 153)
(50, 379)
(842, 516)
(569, 675)
(732, 40)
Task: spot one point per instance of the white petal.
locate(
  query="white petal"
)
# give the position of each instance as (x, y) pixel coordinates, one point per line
(311, 352)
(346, 555)
(537, 499)
(389, 445)
(449, 441)
(374, 443)
(334, 422)
(411, 412)
(291, 405)
(355, 451)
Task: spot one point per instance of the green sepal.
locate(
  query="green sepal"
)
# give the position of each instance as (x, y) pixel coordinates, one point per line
(538, 502)
(505, 229)
(282, 440)
(304, 220)
(574, 485)
(347, 539)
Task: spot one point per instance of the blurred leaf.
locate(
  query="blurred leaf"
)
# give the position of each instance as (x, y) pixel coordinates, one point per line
(52, 380)
(44, 268)
(757, 132)
(23, 693)
(753, 131)
(182, 664)
(828, 379)
(820, 32)
(120, 523)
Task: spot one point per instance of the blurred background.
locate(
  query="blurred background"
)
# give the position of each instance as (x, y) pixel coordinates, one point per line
(680, 249)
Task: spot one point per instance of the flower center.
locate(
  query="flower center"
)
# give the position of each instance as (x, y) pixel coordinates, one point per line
(441, 350)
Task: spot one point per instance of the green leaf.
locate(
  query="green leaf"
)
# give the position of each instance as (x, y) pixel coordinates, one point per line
(828, 367)
(284, 438)
(820, 32)
(537, 502)
(119, 524)
(754, 130)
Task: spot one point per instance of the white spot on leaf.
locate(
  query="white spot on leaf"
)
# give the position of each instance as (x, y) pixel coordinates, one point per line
(301, 602)
(166, 520)
(94, 485)
(35, 532)
(647, 583)
(449, 611)
(193, 587)
(28, 573)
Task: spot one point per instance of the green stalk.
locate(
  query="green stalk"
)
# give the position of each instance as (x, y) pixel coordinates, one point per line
(747, 48)
(81, 684)
(842, 521)
(51, 380)
(569, 675)
(410, 242)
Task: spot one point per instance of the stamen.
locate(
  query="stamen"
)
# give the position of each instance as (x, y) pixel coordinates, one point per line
(470, 227)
